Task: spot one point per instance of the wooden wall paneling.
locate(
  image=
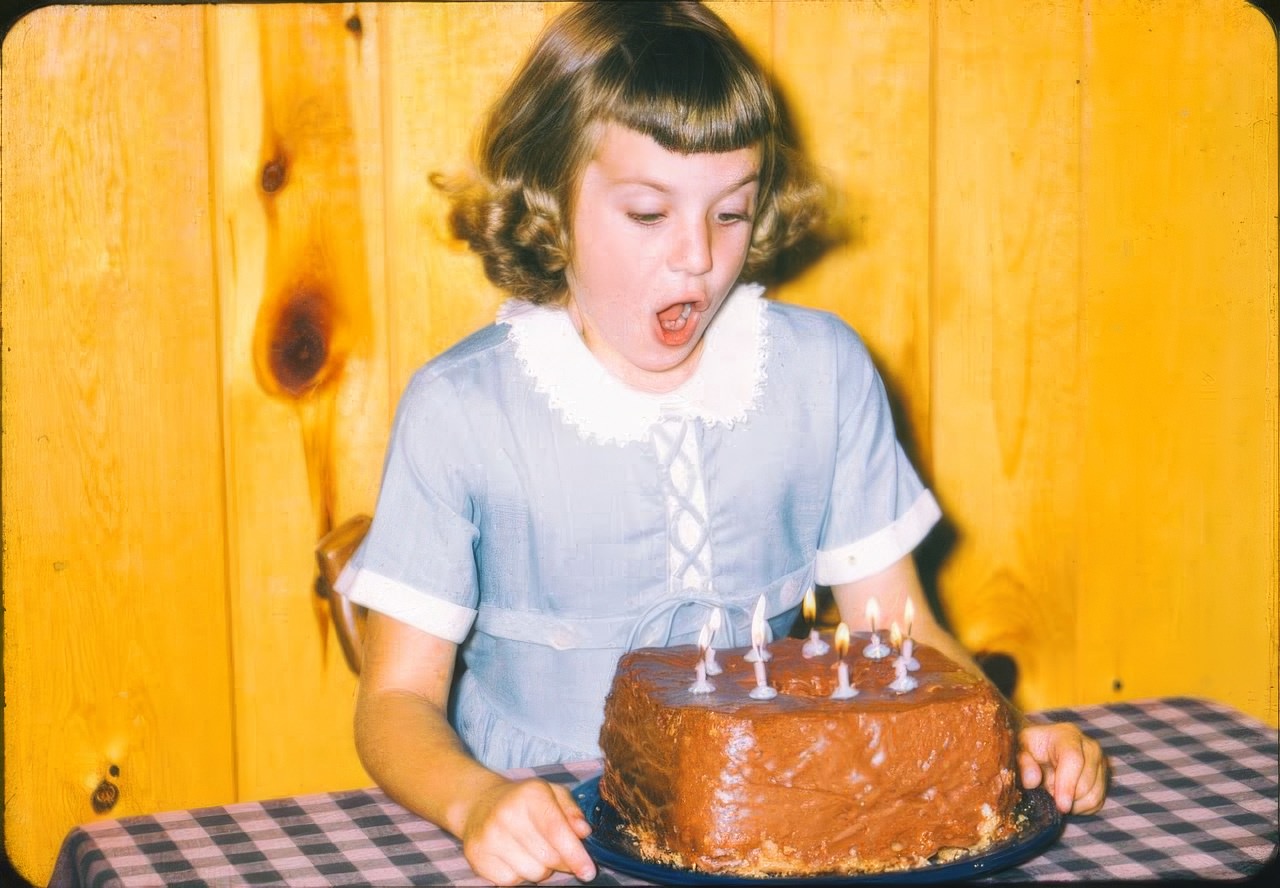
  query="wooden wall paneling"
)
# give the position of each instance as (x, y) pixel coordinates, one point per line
(444, 63)
(362, 399)
(754, 22)
(297, 169)
(1005, 407)
(856, 78)
(116, 680)
(1179, 354)
(1088, 370)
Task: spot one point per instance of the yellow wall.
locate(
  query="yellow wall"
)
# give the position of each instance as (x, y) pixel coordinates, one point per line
(1063, 253)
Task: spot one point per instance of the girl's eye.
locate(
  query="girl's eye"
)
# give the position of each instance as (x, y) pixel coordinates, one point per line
(730, 218)
(645, 218)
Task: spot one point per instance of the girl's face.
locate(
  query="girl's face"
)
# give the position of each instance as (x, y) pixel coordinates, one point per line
(658, 240)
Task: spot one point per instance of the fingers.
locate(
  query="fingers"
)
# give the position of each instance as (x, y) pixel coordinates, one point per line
(1091, 788)
(569, 843)
(1070, 766)
(1066, 759)
(1028, 768)
(527, 831)
(1051, 749)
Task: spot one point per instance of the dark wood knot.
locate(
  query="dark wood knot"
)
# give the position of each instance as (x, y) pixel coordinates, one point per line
(104, 796)
(274, 173)
(300, 342)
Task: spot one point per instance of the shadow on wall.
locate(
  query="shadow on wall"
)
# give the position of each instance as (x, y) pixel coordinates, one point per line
(835, 230)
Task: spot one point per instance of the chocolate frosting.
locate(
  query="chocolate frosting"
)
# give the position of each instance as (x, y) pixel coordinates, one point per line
(802, 784)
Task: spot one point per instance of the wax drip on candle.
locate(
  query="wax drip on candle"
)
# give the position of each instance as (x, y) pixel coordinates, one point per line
(905, 647)
(902, 682)
(758, 650)
(700, 684)
(814, 646)
(877, 649)
(844, 690)
(908, 648)
(761, 691)
(713, 668)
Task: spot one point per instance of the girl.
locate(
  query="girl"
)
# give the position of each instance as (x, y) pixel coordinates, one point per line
(638, 438)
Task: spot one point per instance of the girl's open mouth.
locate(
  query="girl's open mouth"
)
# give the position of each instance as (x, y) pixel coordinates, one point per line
(678, 323)
(674, 318)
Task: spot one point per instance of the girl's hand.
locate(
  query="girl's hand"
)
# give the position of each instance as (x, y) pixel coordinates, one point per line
(524, 831)
(1070, 764)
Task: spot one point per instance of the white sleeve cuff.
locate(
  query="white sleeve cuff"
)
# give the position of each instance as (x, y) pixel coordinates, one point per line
(440, 618)
(874, 553)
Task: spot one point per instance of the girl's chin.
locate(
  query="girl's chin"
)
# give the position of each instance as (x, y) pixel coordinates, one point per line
(652, 366)
(670, 361)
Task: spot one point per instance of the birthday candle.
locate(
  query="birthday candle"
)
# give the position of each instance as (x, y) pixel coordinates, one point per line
(814, 646)
(700, 684)
(761, 691)
(843, 689)
(901, 682)
(758, 650)
(876, 649)
(908, 648)
(713, 668)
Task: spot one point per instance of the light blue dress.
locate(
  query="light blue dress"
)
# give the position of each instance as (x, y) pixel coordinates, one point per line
(546, 518)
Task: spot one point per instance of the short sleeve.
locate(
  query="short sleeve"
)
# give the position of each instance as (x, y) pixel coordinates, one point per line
(879, 508)
(417, 562)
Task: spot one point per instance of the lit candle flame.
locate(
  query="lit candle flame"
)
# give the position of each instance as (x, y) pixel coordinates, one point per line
(757, 625)
(714, 623)
(873, 613)
(842, 640)
(909, 614)
(810, 606)
(704, 639)
(895, 635)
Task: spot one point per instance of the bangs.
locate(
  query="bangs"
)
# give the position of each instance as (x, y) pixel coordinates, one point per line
(686, 93)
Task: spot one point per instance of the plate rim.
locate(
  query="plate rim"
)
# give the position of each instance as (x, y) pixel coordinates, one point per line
(1005, 855)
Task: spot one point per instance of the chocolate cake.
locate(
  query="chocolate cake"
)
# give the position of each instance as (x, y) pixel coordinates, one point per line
(803, 784)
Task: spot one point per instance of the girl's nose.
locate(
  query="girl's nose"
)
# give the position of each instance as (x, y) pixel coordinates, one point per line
(691, 253)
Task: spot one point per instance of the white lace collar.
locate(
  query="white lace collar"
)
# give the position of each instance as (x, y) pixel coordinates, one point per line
(726, 384)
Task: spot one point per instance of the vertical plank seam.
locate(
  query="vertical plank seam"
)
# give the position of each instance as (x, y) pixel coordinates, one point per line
(388, 173)
(931, 272)
(209, 40)
(1083, 677)
(1082, 322)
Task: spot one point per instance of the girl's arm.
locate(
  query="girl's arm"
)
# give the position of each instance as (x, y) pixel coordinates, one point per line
(1070, 764)
(512, 831)
(892, 588)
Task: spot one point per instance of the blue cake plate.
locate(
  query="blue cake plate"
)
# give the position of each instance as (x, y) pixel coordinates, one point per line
(610, 846)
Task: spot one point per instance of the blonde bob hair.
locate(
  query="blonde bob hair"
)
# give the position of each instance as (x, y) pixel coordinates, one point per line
(673, 71)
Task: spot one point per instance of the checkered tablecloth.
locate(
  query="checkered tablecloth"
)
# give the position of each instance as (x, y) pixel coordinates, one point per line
(1193, 795)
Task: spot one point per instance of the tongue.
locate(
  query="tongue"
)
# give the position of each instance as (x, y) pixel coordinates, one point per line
(672, 313)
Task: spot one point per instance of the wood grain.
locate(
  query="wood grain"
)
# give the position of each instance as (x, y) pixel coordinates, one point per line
(222, 259)
(437, 292)
(1178, 510)
(296, 111)
(856, 76)
(1004, 327)
(115, 624)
